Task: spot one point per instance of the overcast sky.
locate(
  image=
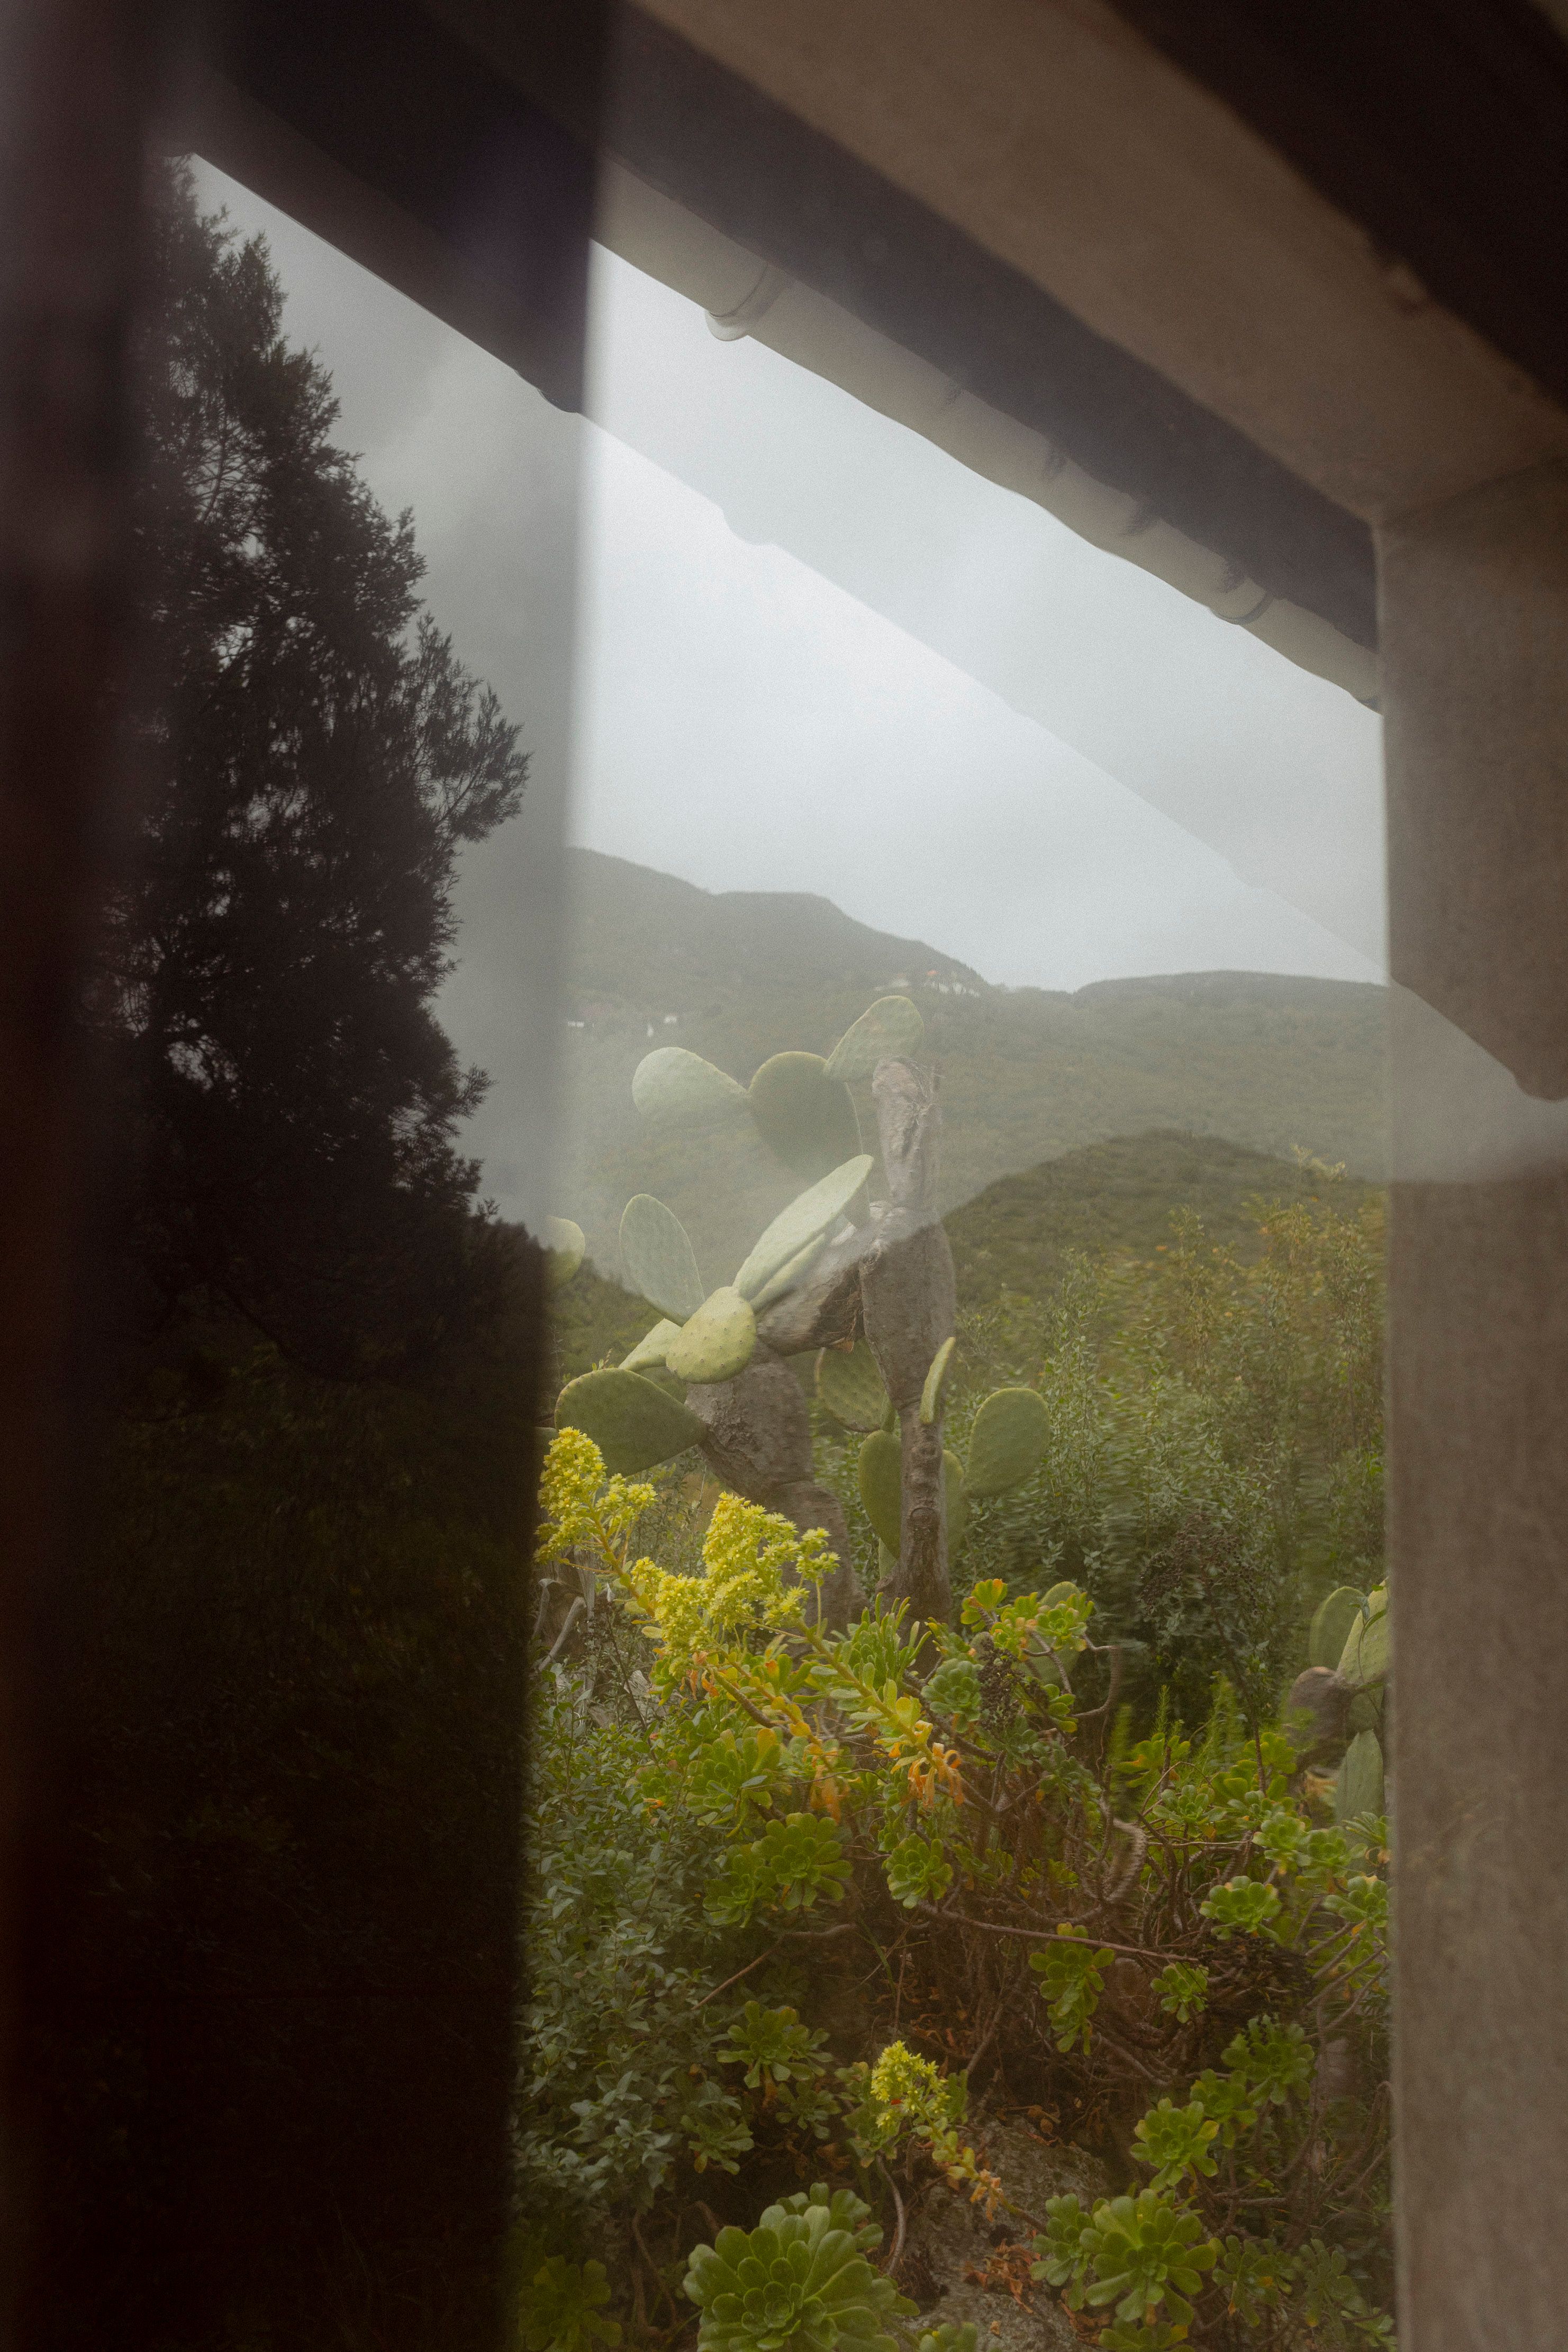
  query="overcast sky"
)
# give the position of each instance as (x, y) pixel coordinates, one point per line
(816, 653)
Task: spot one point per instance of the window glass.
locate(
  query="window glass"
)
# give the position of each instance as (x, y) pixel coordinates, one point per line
(975, 1022)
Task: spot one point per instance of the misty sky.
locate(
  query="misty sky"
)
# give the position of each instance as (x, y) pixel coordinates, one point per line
(816, 653)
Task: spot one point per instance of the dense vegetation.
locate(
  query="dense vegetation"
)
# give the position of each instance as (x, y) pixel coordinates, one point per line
(800, 1900)
(1118, 1198)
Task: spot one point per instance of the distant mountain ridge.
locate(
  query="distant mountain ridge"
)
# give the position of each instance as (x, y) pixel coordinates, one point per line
(656, 941)
(1261, 1060)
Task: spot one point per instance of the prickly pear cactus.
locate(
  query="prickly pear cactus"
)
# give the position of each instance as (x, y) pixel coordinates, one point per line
(932, 1396)
(683, 1090)
(658, 1258)
(891, 1029)
(564, 1246)
(956, 1499)
(633, 1423)
(1007, 1443)
(829, 1271)
(1364, 1661)
(1332, 1625)
(1359, 1787)
(850, 1385)
(807, 1118)
(1365, 1711)
(718, 1341)
(651, 1350)
(806, 1219)
(791, 1274)
(882, 1491)
(881, 1486)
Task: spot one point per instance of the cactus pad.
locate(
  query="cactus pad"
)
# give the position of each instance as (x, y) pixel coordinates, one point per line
(651, 1348)
(658, 1258)
(788, 1275)
(850, 1385)
(1332, 1625)
(634, 1424)
(1007, 1441)
(718, 1341)
(563, 1248)
(892, 1028)
(1365, 1711)
(881, 1486)
(1359, 1788)
(882, 1490)
(815, 1212)
(956, 1499)
(807, 1118)
(684, 1090)
(937, 1378)
(1364, 1661)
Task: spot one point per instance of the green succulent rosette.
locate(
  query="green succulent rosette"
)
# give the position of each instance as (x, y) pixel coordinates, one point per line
(795, 2283)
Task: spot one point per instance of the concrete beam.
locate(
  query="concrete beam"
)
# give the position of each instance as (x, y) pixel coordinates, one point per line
(1474, 610)
(1060, 140)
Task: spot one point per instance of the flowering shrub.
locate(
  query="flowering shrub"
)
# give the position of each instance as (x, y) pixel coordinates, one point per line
(1159, 1935)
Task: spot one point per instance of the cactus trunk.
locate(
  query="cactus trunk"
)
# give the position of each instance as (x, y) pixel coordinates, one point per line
(909, 1303)
(921, 1577)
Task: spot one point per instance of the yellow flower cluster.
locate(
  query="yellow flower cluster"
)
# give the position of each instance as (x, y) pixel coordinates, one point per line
(577, 1507)
(673, 1607)
(748, 1555)
(900, 2079)
(910, 2092)
(757, 1566)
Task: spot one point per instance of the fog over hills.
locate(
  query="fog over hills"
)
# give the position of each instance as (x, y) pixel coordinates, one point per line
(1259, 1060)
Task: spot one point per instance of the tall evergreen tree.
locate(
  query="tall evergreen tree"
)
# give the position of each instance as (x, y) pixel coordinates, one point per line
(310, 758)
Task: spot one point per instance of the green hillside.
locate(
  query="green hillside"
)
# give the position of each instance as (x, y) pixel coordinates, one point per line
(1017, 1234)
(1256, 1060)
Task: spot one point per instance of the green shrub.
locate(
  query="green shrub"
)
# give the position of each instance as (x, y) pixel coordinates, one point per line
(622, 2041)
(809, 1772)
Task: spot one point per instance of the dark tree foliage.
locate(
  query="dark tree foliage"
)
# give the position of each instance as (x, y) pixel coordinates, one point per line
(273, 2055)
(312, 757)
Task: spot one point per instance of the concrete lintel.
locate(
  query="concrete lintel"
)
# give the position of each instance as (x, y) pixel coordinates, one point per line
(1059, 139)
